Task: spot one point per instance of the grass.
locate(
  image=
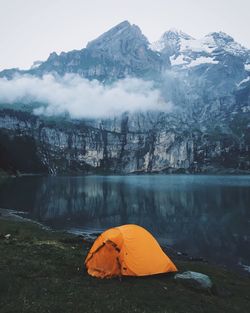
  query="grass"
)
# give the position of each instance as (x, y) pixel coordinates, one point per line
(3, 174)
(43, 271)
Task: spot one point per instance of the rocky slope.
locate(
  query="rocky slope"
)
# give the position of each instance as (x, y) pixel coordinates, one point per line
(207, 130)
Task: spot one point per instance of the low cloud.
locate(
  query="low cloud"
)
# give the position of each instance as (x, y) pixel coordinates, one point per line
(81, 98)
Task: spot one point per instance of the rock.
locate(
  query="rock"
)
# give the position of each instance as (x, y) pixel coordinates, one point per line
(125, 145)
(195, 280)
(7, 236)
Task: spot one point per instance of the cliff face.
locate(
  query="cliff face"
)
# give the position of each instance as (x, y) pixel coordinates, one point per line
(149, 142)
(80, 147)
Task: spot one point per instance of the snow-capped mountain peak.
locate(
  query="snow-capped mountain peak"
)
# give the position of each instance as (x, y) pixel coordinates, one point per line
(186, 51)
(220, 37)
(170, 41)
(221, 40)
(176, 33)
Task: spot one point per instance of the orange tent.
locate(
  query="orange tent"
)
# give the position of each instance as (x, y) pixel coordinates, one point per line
(128, 250)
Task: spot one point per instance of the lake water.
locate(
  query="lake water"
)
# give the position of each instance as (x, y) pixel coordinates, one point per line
(204, 216)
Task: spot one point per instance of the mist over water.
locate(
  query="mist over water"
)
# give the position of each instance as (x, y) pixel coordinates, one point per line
(205, 216)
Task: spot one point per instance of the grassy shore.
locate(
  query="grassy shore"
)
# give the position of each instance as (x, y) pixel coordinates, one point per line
(43, 271)
(3, 175)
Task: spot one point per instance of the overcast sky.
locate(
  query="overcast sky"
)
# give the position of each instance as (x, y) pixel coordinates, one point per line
(31, 29)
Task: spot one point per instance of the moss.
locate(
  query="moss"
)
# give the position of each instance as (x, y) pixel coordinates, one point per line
(43, 271)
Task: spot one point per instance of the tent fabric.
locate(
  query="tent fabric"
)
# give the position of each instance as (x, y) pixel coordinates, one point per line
(128, 250)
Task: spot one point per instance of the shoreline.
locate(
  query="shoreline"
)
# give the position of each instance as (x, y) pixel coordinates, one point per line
(90, 236)
(177, 172)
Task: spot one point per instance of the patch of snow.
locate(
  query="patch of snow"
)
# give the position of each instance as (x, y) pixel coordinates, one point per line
(244, 81)
(227, 43)
(202, 60)
(188, 62)
(178, 33)
(178, 61)
(170, 38)
(245, 267)
(157, 45)
(235, 49)
(247, 67)
(205, 44)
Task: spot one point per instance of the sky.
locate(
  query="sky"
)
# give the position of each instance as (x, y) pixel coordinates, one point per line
(31, 29)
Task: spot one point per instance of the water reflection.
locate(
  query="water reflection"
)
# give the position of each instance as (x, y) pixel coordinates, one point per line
(205, 216)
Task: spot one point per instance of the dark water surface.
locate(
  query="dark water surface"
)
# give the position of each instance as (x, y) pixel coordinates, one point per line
(205, 216)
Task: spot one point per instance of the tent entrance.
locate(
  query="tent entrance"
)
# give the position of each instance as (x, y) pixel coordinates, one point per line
(104, 261)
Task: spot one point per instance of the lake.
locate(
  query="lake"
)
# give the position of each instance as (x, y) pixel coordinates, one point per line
(204, 216)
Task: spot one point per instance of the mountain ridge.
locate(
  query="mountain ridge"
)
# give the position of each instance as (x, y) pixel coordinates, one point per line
(104, 42)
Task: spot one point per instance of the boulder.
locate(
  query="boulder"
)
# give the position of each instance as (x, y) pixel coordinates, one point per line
(195, 280)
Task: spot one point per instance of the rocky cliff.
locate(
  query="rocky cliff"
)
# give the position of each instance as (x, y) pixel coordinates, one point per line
(150, 142)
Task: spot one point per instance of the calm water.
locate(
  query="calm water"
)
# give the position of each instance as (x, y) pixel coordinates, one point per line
(205, 216)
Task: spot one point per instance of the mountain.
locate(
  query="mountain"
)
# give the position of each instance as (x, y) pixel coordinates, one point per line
(187, 51)
(124, 51)
(170, 42)
(121, 51)
(216, 59)
(207, 80)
